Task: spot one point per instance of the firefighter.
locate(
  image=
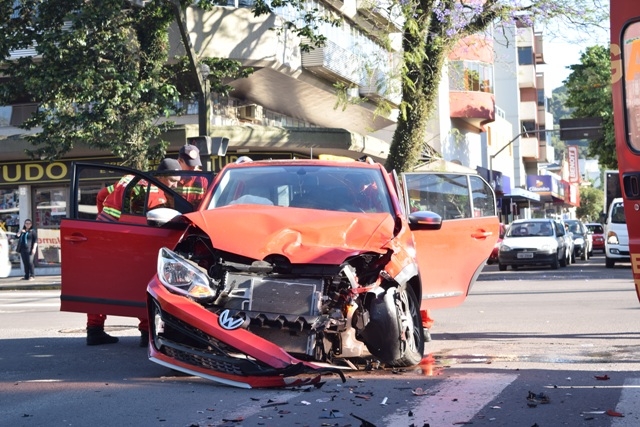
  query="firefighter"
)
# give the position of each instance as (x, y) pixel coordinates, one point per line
(109, 203)
(191, 188)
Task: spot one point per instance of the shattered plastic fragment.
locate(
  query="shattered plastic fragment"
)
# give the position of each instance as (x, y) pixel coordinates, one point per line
(418, 391)
(613, 413)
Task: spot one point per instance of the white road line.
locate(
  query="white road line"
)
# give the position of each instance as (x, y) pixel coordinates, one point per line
(628, 404)
(468, 393)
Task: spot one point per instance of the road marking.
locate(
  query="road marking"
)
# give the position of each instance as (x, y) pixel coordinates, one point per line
(477, 389)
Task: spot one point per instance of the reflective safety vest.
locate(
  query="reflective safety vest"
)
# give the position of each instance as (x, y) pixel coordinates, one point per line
(192, 189)
(113, 203)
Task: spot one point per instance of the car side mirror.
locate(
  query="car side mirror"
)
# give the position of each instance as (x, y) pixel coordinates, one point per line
(425, 220)
(161, 216)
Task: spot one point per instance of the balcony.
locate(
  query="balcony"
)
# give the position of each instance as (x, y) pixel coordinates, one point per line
(528, 111)
(378, 13)
(529, 148)
(333, 63)
(472, 105)
(526, 76)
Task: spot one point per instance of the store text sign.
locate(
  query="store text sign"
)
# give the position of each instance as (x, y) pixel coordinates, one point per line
(24, 173)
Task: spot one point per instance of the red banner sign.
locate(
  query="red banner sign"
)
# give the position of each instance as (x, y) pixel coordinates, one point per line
(574, 167)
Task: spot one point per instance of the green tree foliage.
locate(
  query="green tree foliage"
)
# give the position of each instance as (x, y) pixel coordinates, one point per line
(589, 95)
(431, 30)
(101, 76)
(591, 203)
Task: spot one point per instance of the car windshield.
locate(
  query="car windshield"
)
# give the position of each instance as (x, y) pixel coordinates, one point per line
(617, 214)
(529, 229)
(574, 227)
(346, 189)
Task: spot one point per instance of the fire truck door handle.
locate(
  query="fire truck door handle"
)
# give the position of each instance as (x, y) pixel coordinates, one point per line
(75, 238)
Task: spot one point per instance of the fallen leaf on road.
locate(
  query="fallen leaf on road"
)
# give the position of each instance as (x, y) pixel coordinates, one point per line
(602, 377)
(613, 413)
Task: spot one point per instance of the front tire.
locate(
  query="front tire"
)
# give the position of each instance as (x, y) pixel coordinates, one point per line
(502, 267)
(394, 333)
(609, 262)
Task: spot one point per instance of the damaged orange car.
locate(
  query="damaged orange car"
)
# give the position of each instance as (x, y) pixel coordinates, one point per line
(287, 270)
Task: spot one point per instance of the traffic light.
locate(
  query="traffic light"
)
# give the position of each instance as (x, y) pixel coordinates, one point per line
(210, 146)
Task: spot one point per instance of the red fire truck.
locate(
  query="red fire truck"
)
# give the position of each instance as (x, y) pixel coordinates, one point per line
(625, 69)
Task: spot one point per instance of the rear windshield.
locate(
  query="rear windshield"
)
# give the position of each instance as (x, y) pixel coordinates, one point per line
(595, 228)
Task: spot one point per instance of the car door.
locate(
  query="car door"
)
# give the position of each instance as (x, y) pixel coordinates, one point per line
(451, 258)
(106, 265)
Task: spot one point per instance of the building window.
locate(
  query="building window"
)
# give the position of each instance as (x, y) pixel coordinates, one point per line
(471, 76)
(525, 55)
(541, 99)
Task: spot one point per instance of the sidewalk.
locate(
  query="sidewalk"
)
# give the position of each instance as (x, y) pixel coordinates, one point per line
(15, 283)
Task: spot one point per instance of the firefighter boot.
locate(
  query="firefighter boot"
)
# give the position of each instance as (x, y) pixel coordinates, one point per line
(97, 336)
(144, 338)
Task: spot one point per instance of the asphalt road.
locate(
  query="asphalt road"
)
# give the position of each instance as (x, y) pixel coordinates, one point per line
(568, 338)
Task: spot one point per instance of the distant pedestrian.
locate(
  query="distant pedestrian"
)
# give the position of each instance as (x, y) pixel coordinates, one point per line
(27, 247)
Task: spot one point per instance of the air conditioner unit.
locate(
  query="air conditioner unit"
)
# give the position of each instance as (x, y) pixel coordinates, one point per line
(250, 112)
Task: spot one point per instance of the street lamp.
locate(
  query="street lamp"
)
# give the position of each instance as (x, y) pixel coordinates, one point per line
(203, 101)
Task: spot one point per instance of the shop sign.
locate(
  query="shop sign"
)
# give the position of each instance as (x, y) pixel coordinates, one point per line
(574, 167)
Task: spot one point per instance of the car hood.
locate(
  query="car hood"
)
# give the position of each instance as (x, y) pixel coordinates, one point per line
(528, 241)
(301, 235)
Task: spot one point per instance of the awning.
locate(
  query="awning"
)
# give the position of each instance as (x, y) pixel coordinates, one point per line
(520, 195)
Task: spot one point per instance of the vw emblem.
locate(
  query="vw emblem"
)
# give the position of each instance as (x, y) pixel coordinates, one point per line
(228, 322)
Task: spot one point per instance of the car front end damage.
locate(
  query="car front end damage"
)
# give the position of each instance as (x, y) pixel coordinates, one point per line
(289, 304)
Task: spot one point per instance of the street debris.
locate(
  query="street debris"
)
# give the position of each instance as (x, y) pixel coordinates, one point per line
(364, 423)
(533, 399)
(613, 413)
(604, 377)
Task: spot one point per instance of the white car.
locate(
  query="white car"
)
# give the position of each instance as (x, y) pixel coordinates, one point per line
(534, 242)
(5, 263)
(616, 235)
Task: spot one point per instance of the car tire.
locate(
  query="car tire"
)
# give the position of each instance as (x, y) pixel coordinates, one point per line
(502, 267)
(410, 326)
(563, 261)
(555, 264)
(609, 262)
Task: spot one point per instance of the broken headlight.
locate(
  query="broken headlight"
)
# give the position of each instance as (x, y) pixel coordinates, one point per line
(182, 276)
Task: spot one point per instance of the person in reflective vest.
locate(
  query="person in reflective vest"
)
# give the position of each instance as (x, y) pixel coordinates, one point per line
(191, 188)
(109, 203)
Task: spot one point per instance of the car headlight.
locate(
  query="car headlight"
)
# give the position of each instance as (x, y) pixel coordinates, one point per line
(548, 247)
(504, 248)
(612, 238)
(578, 241)
(183, 276)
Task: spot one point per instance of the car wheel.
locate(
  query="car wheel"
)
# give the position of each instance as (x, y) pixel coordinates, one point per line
(411, 336)
(563, 260)
(394, 333)
(555, 264)
(502, 267)
(609, 262)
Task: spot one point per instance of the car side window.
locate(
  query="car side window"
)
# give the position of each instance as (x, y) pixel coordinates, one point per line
(452, 196)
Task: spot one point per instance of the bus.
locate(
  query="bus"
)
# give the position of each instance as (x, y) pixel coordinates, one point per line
(625, 79)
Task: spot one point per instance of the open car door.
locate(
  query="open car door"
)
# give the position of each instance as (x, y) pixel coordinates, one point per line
(106, 266)
(451, 257)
